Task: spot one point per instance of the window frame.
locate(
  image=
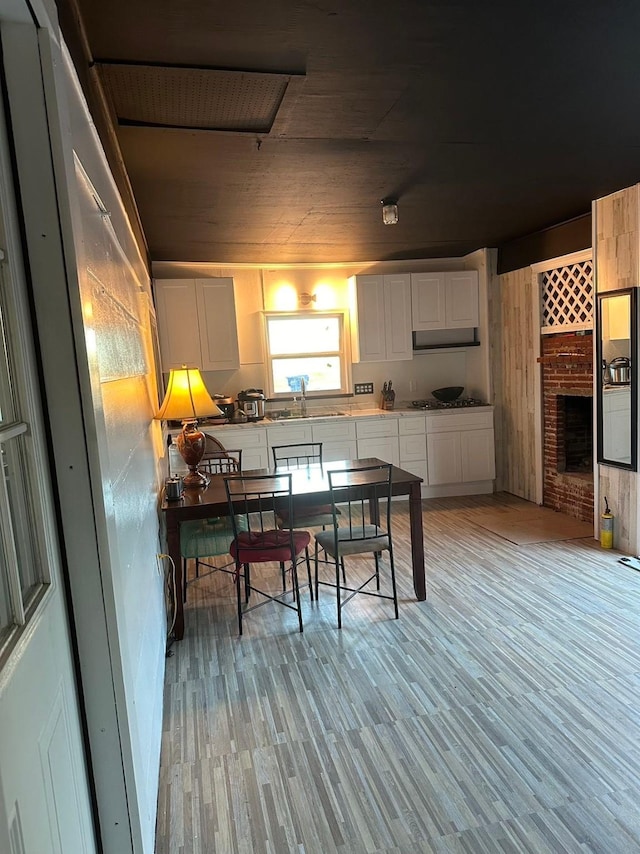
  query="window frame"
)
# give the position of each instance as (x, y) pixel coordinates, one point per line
(343, 353)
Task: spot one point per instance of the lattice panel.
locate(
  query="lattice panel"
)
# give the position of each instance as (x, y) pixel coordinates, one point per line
(567, 298)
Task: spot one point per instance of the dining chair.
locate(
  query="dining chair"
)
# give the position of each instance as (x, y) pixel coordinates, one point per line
(303, 455)
(258, 499)
(358, 490)
(202, 539)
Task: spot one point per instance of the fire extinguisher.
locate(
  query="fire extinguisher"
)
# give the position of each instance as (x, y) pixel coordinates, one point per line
(606, 527)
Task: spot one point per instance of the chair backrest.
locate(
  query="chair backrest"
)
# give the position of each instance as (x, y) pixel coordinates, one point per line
(219, 460)
(259, 497)
(356, 490)
(297, 456)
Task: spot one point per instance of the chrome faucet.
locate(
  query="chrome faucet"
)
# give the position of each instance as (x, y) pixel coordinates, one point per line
(303, 399)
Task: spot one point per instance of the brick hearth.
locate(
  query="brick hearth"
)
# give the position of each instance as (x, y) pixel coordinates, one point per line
(567, 371)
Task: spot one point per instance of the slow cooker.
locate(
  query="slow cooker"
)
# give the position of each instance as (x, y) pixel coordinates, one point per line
(620, 370)
(251, 402)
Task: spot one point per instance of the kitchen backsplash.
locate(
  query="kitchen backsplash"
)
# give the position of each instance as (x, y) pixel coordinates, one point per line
(411, 379)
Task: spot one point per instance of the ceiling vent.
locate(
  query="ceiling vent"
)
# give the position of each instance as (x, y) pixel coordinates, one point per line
(193, 98)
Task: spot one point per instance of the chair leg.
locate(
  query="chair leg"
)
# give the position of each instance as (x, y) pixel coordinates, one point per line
(308, 562)
(339, 565)
(184, 580)
(377, 560)
(284, 576)
(296, 592)
(247, 582)
(393, 580)
(239, 599)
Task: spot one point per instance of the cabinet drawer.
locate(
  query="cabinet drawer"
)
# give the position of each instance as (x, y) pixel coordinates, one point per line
(412, 448)
(244, 438)
(377, 427)
(412, 425)
(442, 422)
(339, 431)
(289, 434)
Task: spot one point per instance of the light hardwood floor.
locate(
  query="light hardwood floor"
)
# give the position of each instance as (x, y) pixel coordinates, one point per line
(501, 715)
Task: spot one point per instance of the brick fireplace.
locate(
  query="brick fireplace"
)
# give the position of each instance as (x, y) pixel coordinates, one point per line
(568, 442)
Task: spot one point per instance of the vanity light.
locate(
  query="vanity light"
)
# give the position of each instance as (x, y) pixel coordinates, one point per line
(306, 299)
(389, 211)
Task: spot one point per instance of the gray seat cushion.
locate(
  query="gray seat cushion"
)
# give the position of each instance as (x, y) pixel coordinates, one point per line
(357, 540)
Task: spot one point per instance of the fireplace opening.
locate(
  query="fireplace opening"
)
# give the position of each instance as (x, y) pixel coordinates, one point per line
(577, 426)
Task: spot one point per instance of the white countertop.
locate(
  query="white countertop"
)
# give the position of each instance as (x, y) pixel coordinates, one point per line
(373, 413)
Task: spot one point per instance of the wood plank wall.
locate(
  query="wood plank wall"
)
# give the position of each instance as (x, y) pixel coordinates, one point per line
(617, 265)
(513, 331)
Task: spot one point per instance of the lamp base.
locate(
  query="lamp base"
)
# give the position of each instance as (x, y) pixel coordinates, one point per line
(191, 444)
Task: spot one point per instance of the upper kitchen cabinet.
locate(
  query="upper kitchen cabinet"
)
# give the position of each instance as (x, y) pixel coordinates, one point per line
(197, 323)
(444, 300)
(381, 318)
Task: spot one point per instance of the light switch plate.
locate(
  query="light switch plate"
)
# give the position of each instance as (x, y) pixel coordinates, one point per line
(363, 388)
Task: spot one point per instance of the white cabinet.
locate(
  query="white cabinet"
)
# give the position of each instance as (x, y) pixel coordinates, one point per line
(338, 440)
(378, 438)
(251, 440)
(197, 323)
(412, 441)
(460, 448)
(289, 434)
(381, 318)
(444, 300)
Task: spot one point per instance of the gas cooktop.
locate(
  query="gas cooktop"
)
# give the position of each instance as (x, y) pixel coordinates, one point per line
(459, 403)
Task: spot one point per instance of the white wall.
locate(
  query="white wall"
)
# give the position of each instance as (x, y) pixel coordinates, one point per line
(117, 315)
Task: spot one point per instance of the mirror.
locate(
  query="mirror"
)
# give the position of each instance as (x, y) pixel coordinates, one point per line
(616, 365)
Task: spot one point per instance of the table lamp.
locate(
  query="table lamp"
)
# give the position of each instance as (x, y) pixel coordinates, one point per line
(186, 400)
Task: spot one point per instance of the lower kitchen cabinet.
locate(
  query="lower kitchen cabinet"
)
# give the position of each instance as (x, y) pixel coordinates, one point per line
(378, 438)
(338, 440)
(412, 442)
(461, 450)
(252, 441)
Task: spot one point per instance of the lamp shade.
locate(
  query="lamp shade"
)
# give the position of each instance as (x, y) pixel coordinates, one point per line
(186, 398)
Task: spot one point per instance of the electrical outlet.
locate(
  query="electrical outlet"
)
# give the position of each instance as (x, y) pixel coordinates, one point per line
(363, 388)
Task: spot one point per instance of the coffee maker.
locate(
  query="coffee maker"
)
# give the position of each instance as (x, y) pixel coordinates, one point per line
(251, 402)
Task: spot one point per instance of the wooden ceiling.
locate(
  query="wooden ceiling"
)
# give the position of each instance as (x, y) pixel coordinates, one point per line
(269, 131)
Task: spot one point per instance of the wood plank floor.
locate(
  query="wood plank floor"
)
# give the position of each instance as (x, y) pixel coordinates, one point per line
(501, 715)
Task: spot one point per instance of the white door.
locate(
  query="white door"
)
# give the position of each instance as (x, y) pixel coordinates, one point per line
(443, 458)
(46, 806)
(462, 300)
(477, 449)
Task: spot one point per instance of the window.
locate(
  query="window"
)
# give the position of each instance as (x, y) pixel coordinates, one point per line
(310, 346)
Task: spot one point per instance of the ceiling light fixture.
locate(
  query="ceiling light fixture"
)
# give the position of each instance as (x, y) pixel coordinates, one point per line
(389, 211)
(306, 299)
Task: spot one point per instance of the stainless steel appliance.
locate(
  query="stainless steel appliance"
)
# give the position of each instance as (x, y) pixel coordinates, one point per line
(620, 370)
(225, 404)
(251, 402)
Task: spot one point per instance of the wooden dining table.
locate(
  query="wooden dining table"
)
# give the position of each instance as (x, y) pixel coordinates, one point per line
(310, 483)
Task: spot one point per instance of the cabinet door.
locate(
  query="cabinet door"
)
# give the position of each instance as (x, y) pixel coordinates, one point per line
(339, 450)
(397, 318)
(428, 301)
(217, 324)
(412, 448)
(177, 311)
(384, 448)
(462, 300)
(443, 458)
(370, 341)
(478, 455)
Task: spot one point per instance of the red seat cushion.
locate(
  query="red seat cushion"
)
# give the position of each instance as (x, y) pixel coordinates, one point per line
(261, 546)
